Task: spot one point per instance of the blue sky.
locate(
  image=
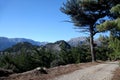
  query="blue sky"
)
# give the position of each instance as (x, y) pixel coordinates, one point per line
(40, 20)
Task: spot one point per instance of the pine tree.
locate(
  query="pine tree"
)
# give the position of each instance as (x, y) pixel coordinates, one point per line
(85, 13)
(114, 27)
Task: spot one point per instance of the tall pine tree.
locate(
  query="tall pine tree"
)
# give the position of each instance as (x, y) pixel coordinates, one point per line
(85, 13)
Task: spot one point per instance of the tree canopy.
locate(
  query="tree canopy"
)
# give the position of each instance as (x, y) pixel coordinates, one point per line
(85, 14)
(114, 27)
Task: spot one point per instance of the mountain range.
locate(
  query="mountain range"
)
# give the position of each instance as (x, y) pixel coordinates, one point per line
(77, 41)
(9, 42)
(57, 46)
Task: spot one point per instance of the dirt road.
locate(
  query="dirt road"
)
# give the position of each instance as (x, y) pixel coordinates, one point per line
(97, 72)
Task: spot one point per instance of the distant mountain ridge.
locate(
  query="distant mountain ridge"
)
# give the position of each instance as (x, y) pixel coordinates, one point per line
(77, 41)
(28, 47)
(9, 42)
(57, 46)
(22, 46)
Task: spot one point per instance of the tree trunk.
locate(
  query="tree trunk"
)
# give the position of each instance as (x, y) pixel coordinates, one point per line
(92, 45)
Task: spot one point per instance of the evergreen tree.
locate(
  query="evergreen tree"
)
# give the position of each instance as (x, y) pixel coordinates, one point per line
(114, 27)
(85, 13)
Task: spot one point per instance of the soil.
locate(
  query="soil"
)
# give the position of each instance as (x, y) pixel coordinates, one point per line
(116, 74)
(96, 72)
(81, 71)
(51, 73)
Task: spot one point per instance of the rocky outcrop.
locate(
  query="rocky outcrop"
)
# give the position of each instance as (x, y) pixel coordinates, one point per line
(57, 46)
(78, 41)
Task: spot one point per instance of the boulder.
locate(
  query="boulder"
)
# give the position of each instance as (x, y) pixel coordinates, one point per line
(42, 70)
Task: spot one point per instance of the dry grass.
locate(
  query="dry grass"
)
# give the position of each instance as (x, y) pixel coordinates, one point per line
(52, 72)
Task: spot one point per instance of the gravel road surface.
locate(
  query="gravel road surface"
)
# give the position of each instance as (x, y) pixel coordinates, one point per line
(98, 72)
